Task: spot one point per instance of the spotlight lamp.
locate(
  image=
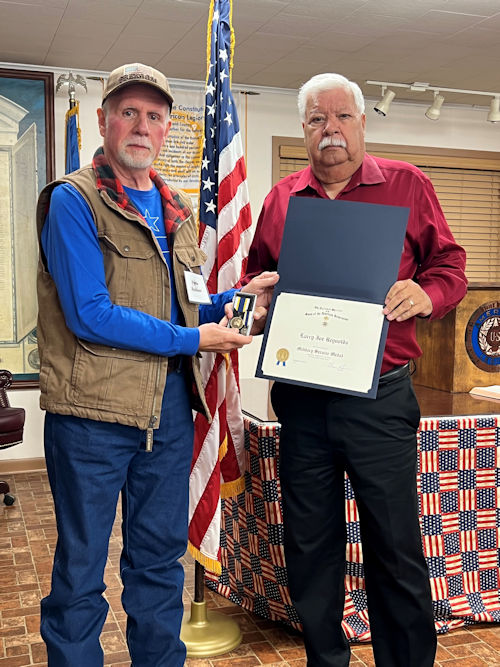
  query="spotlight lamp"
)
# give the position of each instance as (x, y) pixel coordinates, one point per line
(434, 111)
(382, 107)
(494, 114)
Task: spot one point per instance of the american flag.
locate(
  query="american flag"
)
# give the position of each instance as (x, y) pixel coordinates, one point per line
(225, 236)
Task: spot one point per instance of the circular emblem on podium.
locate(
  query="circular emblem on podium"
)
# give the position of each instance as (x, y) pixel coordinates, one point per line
(482, 337)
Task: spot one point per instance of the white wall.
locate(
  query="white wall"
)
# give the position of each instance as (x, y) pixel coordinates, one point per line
(271, 113)
(274, 114)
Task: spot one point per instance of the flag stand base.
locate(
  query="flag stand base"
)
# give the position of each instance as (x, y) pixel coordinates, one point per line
(207, 633)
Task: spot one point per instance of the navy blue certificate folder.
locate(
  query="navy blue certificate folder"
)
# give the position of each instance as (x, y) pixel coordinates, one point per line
(340, 249)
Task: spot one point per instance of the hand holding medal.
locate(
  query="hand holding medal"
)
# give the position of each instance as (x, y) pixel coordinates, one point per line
(243, 311)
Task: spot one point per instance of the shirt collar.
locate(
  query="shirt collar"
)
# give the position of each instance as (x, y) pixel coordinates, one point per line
(307, 181)
(368, 174)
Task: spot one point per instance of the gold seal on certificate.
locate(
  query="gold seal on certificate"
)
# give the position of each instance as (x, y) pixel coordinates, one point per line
(282, 355)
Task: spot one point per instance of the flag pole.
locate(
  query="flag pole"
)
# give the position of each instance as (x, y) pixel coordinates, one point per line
(219, 447)
(72, 140)
(206, 632)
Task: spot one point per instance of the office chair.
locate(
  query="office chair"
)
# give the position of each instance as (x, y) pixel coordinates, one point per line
(11, 427)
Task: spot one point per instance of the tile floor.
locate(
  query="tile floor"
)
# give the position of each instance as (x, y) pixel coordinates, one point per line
(27, 537)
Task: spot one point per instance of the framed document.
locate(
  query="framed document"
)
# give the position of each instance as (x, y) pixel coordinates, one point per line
(26, 165)
(325, 327)
(323, 341)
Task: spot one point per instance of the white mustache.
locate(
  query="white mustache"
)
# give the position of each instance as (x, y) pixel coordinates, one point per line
(331, 141)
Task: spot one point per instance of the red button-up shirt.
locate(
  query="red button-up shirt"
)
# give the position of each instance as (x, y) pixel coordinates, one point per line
(430, 256)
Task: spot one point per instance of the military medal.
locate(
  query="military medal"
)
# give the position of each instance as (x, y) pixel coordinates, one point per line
(243, 308)
(236, 322)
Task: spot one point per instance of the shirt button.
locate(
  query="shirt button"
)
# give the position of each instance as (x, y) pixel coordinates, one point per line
(126, 248)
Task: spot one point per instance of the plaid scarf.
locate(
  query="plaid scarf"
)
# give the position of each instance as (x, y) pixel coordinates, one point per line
(174, 211)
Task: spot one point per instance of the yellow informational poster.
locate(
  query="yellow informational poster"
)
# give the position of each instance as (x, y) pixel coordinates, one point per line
(179, 160)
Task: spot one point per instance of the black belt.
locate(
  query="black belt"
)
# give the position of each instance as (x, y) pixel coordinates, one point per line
(394, 374)
(175, 364)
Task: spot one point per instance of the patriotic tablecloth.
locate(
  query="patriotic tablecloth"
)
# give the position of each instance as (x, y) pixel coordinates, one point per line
(459, 495)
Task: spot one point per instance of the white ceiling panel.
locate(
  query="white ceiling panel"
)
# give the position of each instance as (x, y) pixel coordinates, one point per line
(75, 59)
(181, 70)
(280, 43)
(173, 10)
(475, 38)
(445, 23)
(156, 32)
(20, 55)
(328, 9)
(492, 23)
(372, 25)
(108, 11)
(92, 44)
(13, 41)
(486, 7)
(31, 5)
(17, 13)
(339, 41)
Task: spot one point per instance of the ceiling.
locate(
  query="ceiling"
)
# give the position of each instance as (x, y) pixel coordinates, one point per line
(279, 43)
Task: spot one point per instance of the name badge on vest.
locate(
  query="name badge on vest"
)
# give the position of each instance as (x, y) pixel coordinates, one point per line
(196, 288)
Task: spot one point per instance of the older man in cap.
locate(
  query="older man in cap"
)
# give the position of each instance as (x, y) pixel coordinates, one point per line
(120, 328)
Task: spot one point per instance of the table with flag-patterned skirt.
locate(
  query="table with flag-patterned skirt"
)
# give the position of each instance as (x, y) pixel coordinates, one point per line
(459, 495)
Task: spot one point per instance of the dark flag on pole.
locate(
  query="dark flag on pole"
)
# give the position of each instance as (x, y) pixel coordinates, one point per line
(72, 141)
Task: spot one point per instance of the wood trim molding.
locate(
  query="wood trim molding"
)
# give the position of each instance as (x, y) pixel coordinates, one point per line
(290, 147)
(12, 466)
(452, 153)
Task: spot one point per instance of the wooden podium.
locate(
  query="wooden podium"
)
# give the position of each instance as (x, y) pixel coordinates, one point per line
(445, 363)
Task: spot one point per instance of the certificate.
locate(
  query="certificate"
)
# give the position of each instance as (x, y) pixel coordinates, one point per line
(325, 327)
(323, 341)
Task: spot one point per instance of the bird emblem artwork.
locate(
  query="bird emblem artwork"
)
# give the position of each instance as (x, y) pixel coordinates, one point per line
(71, 81)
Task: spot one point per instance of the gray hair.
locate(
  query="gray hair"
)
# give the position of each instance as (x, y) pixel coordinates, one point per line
(328, 81)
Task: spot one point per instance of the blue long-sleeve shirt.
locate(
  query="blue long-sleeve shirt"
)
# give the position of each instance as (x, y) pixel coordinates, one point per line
(75, 262)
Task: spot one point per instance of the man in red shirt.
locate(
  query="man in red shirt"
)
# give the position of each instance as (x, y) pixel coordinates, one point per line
(325, 433)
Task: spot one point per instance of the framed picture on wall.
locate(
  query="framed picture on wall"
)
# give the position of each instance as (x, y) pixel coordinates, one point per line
(26, 165)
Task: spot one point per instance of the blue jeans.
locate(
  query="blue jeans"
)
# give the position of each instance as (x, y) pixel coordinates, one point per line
(89, 464)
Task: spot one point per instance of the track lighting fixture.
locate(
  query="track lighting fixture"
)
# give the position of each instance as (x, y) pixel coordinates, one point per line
(382, 107)
(434, 111)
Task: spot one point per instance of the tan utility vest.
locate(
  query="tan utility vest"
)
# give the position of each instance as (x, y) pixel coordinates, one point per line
(96, 381)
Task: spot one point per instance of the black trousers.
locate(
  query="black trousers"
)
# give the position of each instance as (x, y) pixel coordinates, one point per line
(324, 434)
